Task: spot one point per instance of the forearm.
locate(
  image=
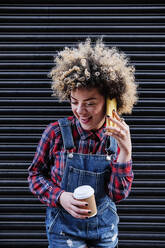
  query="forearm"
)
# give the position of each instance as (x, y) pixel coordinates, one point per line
(46, 191)
(124, 157)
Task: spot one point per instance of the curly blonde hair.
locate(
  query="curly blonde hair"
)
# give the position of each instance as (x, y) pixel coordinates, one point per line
(95, 66)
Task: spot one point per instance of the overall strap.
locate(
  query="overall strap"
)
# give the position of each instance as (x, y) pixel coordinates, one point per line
(111, 145)
(66, 133)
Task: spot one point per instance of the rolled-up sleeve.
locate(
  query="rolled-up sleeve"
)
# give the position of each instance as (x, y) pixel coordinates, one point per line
(121, 179)
(40, 182)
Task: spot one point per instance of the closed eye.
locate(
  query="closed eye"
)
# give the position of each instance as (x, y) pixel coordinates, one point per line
(89, 104)
(73, 102)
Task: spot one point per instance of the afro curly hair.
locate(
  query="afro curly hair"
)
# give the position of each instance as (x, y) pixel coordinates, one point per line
(95, 66)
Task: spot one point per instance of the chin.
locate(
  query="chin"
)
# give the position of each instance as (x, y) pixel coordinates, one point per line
(86, 127)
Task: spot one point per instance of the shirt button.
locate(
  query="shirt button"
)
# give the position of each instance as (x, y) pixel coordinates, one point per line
(50, 188)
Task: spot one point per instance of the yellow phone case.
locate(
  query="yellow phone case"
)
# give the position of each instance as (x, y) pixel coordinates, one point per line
(110, 105)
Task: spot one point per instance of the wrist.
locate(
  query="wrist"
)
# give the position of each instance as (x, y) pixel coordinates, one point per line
(124, 157)
(60, 196)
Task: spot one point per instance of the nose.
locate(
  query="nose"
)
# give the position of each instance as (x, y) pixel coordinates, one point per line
(81, 109)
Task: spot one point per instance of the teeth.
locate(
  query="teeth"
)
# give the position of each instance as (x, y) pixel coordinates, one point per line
(85, 120)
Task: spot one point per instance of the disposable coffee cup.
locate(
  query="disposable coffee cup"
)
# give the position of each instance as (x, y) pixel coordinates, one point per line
(86, 193)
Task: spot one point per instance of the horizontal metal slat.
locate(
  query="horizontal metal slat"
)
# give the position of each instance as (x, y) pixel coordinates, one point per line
(73, 37)
(151, 174)
(40, 19)
(31, 101)
(46, 66)
(18, 200)
(38, 243)
(138, 243)
(22, 208)
(14, 182)
(22, 217)
(144, 200)
(143, 236)
(20, 235)
(143, 226)
(132, 28)
(141, 209)
(100, 8)
(48, 46)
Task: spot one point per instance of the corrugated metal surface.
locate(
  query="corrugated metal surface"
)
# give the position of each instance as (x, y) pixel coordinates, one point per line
(31, 32)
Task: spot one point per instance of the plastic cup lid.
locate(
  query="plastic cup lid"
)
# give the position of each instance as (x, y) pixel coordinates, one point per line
(82, 192)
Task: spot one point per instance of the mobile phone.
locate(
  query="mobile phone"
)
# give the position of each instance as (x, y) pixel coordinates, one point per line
(111, 104)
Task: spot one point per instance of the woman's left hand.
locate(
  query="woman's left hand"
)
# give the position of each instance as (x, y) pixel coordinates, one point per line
(121, 133)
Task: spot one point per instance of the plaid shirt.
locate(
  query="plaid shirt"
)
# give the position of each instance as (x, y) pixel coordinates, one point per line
(47, 168)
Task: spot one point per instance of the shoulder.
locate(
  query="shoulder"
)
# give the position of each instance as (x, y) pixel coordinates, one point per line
(54, 127)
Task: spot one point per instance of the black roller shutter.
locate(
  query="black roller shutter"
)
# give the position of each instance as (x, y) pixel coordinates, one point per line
(31, 32)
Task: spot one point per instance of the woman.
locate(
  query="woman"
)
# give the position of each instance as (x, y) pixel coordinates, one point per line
(81, 150)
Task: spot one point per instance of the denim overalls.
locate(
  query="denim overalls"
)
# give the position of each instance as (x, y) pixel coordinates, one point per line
(85, 169)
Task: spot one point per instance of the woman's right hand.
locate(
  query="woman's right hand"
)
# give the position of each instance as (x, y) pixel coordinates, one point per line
(73, 206)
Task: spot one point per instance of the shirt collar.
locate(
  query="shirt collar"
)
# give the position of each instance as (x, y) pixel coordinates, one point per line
(84, 134)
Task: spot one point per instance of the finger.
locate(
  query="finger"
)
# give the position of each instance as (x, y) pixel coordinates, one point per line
(120, 134)
(109, 133)
(76, 215)
(117, 122)
(113, 130)
(116, 134)
(80, 212)
(116, 115)
(79, 216)
(79, 203)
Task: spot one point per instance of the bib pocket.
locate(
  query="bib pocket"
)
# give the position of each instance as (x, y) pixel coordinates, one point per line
(96, 180)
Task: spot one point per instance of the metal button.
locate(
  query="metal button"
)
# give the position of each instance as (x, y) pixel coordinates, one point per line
(108, 158)
(70, 155)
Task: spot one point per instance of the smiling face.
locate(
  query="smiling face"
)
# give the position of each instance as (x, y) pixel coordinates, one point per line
(88, 105)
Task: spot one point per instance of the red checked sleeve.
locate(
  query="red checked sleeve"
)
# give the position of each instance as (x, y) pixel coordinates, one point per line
(39, 180)
(120, 180)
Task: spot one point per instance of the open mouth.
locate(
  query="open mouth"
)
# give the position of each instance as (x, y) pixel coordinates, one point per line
(85, 120)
